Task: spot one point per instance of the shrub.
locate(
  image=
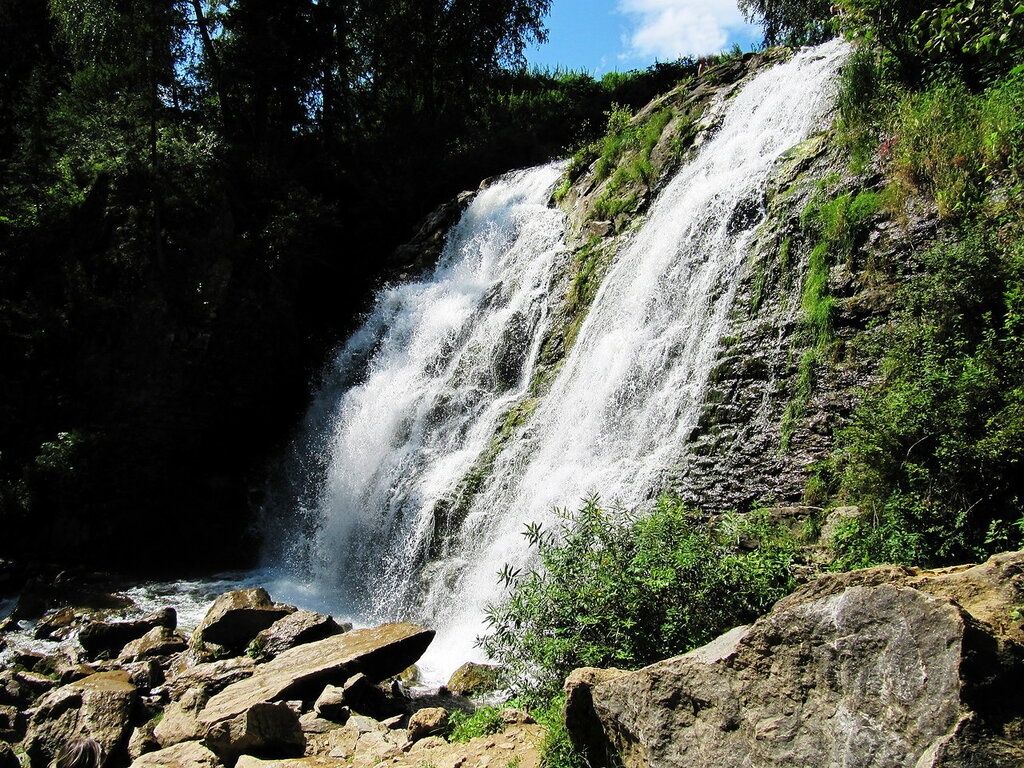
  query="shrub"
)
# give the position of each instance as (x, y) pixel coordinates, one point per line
(934, 451)
(622, 589)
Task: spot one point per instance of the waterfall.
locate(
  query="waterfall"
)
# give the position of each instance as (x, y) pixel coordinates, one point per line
(419, 392)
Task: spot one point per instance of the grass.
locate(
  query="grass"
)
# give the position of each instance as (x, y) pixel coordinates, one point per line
(484, 721)
(834, 224)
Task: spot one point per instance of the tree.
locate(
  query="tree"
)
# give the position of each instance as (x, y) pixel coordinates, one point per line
(791, 22)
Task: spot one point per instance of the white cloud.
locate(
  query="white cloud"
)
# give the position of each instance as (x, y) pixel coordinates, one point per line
(669, 29)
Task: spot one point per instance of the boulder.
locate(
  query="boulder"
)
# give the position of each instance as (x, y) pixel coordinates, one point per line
(265, 729)
(580, 718)
(159, 641)
(143, 740)
(312, 723)
(12, 690)
(236, 617)
(180, 722)
(35, 684)
(472, 679)
(144, 674)
(427, 722)
(99, 706)
(515, 716)
(291, 630)
(248, 761)
(330, 704)
(303, 671)
(882, 667)
(109, 637)
(44, 593)
(59, 623)
(188, 754)
(379, 701)
(210, 678)
(364, 739)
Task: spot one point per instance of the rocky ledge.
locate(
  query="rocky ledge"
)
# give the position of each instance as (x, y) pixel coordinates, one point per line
(257, 683)
(875, 668)
(879, 668)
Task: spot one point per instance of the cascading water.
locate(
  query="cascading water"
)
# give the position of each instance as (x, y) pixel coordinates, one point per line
(415, 395)
(448, 356)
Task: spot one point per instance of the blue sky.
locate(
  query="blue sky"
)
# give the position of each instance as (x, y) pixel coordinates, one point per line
(599, 36)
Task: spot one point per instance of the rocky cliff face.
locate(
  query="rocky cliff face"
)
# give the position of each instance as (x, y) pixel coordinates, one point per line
(887, 666)
(780, 386)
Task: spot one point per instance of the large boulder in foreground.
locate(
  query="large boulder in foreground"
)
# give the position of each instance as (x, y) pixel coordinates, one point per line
(303, 671)
(99, 706)
(871, 669)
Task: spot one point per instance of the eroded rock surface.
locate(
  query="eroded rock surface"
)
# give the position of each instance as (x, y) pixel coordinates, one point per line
(291, 630)
(99, 706)
(236, 617)
(876, 668)
(303, 671)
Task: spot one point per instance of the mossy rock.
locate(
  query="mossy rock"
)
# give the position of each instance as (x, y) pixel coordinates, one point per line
(472, 679)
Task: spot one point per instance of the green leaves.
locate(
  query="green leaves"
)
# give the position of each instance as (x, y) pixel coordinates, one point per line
(625, 589)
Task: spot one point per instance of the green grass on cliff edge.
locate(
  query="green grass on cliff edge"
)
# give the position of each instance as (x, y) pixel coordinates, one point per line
(933, 455)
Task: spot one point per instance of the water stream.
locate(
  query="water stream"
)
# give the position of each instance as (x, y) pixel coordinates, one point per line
(415, 397)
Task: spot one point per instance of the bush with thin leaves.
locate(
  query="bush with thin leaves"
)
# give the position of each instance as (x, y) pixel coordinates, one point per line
(621, 589)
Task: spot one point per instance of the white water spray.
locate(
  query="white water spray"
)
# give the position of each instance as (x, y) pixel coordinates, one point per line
(449, 355)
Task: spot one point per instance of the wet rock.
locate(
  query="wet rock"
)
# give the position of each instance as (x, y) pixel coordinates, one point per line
(99, 706)
(109, 637)
(189, 754)
(291, 630)
(303, 671)
(58, 624)
(28, 659)
(76, 590)
(423, 251)
(268, 729)
(879, 667)
(427, 722)
(472, 679)
(236, 617)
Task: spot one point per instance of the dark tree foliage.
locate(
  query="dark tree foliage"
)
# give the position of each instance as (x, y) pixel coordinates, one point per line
(196, 199)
